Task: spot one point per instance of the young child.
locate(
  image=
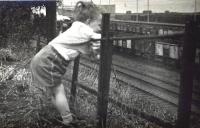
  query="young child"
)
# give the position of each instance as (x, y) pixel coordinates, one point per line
(49, 65)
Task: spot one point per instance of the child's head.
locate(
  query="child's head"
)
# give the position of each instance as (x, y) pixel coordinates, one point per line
(87, 12)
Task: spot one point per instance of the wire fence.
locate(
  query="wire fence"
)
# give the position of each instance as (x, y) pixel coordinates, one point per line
(104, 77)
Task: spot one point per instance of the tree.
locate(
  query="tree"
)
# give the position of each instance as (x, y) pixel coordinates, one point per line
(16, 21)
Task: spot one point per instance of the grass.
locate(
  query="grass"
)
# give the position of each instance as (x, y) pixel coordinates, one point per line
(21, 107)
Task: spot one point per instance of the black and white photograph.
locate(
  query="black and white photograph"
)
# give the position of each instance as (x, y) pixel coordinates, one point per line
(99, 63)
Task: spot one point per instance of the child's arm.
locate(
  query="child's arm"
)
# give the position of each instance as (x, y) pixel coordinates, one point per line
(88, 32)
(95, 36)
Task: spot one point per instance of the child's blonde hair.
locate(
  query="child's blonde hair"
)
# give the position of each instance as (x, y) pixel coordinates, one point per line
(84, 11)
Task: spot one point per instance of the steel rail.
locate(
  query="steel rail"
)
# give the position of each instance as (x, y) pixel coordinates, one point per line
(174, 84)
(165, 89)
(174, 103)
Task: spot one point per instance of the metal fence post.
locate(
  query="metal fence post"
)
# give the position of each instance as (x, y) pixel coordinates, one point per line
(73, 84)
(187, 75)
(104, 73)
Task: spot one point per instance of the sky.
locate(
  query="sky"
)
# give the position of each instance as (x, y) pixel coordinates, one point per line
(155, 5)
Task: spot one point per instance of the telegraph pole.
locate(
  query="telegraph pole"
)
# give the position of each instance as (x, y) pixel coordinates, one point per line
(137, 11)
(148, 10)
(195, 9)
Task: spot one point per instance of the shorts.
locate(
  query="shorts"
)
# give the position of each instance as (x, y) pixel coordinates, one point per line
(48, 67)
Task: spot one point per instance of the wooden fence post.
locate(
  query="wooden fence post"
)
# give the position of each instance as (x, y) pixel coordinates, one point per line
(73, 84)
(187, 75)
(51, 19)
(104, 73)
(38, 43)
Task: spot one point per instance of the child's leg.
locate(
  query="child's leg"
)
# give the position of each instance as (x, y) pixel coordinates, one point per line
(61, 103)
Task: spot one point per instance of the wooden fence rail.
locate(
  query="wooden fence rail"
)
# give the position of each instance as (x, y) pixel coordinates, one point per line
(140, 27)
(142, 37)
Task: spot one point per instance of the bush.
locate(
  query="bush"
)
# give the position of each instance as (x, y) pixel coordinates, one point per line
(16, 23)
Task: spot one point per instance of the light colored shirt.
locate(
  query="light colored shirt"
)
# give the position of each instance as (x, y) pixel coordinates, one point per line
(74, 40)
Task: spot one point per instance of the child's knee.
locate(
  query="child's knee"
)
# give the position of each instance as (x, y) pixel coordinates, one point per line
(57, 89)
(34, 62)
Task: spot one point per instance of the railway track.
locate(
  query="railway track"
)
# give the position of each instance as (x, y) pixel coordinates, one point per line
(150, 83)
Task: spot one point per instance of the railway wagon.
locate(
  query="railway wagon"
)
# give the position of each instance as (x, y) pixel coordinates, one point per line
(168, 51)
(153, 48)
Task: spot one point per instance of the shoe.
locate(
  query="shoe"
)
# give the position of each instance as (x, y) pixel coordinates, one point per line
(67, 119)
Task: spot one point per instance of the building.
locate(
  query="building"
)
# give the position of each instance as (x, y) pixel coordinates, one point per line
(167, 17)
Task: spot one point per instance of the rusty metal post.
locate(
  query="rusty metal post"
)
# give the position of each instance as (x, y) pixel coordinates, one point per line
(104, 73)
(73, 84)
(187, 75)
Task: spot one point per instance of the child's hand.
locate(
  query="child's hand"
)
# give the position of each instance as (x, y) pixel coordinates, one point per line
(98, 57)
(95, 46)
